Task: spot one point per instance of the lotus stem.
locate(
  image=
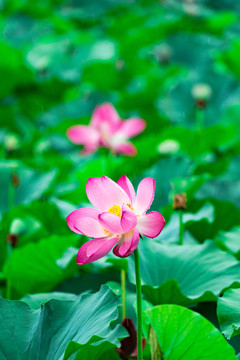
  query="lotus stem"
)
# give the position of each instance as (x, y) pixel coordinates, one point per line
(139, 305)
(181, 227)
(123, 285)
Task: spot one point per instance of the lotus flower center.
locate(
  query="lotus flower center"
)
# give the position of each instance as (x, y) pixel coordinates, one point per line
(116, 210)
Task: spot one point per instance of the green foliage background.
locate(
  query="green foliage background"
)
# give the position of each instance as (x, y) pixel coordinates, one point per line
(58, 60)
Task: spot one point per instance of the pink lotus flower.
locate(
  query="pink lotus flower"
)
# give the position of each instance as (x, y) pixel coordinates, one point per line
(118, 219)
(106, 129)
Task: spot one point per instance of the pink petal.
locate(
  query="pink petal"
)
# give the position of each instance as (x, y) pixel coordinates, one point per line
(111, 223)
(98, 195)
(104, 193)
(79, 213)
(95, 249)
(127, 244)
(90, 227)
(127, 186)
(132, 127)
(128, 220)
(87, 150)
(116, 193)
(104, 113)
(125, 148)
(151, 224)
(84, 135)
(145, 195)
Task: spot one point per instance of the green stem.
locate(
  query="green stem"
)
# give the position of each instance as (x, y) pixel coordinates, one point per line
(8, 294)
(180, 241)
(200, 123)
(200, 119)
(11, 192)
(139, 304)
(11, 200)
(123, 285)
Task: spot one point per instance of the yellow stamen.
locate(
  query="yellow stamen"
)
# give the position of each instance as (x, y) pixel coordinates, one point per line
(130, 206)
(116, 210)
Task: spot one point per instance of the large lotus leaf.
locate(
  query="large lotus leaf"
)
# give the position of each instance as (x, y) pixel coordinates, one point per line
(204, 213)
(13, 72)
(184, 274)
(179, 105)
(170, 233)
(224, 187)
(229, 241)
(35, 301)
(228, 312)
(130, 298)
(93, 350)
(30, 185)
(227, 59)
(64, 207)
(73, 52)
(39, 267)
(184, 334)
(226, 216)
(44, 334)
(33, 222)
(189, 141)
(220, 21)
(188, 185)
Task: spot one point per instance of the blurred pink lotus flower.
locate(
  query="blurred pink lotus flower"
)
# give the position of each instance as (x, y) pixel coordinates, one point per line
(107, 129)
(118, 219)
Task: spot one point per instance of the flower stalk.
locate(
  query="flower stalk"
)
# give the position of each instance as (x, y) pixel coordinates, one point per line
(181, 227)
(200, 119)
(123, 286)
(180, 204)
(11, 238)
(139, 304)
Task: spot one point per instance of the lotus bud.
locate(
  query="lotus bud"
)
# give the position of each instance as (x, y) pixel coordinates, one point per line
(201, 93)
(11, 142)
(180, 202)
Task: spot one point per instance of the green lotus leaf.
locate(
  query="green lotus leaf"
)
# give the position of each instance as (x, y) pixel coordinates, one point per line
(95, 349)
(228, 312)
(184, 334)
(188, 185)
(185, 274)
(35, 301)
(200, 218)
(229, 241)
(45, 333)
(41, 266)
(30, 185)
(222, 220)
(226, 186)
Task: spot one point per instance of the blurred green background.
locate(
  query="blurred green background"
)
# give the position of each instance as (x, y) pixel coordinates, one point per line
(60, 59)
